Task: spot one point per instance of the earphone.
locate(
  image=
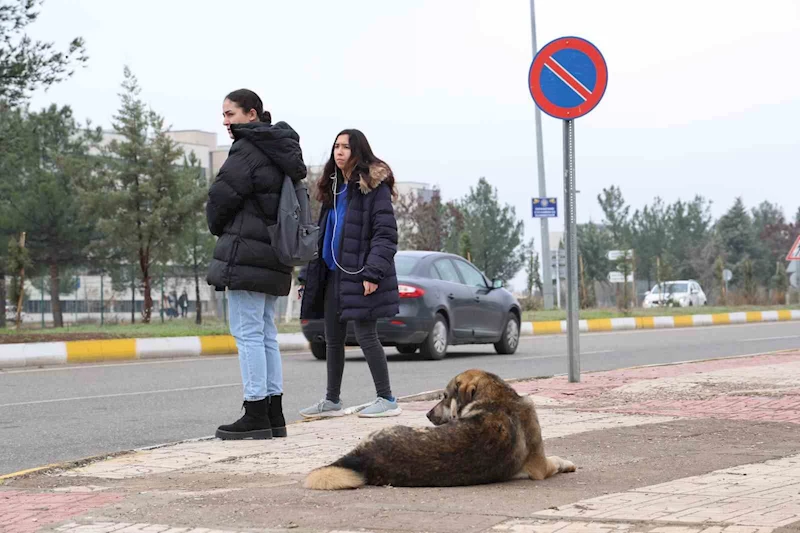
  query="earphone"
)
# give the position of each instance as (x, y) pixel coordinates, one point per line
(334, 181)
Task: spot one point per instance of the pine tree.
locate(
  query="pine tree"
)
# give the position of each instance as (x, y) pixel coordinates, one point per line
(143, 197)
(42, 195)
(749, 281)
(25, 64)
(196, 245)
(532, 276)
(495, 233)
(735, 230)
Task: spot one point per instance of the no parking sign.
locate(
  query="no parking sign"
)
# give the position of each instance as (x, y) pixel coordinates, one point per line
(567, 79)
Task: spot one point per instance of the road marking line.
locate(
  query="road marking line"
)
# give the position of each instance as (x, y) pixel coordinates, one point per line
(122, 394)
(553, 356)
(772, 338)
(132, 362)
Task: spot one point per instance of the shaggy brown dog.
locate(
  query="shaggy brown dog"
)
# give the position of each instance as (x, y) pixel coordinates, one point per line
(484, 433)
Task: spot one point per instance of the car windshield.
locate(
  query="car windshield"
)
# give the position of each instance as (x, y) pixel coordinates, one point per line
(671, 288)
(404, 264)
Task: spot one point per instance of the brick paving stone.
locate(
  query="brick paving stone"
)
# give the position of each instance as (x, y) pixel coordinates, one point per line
(758, 495)
(594, 384)
(26, 512)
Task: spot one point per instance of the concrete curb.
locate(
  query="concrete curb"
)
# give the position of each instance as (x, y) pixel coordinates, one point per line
(660, 322)
(70, 352)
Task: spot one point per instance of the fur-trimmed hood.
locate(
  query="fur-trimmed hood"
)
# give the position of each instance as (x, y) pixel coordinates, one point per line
(378, 173)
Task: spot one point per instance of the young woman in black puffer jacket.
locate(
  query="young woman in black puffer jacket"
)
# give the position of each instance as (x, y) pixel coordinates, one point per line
(242, 204)
(354, 277)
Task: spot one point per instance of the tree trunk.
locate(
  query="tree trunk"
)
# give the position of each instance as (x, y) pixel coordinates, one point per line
(2, 295)
(55, 297)
(144, 262)
(148, 298)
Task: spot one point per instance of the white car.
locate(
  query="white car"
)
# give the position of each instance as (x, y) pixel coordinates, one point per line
(681, 293)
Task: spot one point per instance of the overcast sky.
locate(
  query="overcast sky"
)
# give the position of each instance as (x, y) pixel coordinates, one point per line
(703, 96)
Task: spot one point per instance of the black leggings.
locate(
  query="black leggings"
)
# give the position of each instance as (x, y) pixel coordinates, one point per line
(367, 337)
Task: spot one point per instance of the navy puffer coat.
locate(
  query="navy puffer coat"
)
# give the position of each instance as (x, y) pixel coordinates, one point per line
(369, 240)
(243, 203)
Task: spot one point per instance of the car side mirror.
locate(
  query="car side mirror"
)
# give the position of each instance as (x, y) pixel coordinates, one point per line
(497, 283)
(647, 293)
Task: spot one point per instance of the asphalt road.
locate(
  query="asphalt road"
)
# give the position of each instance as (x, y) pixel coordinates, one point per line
(70, 412)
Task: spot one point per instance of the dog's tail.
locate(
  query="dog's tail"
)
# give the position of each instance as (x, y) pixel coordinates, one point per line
(334, 478)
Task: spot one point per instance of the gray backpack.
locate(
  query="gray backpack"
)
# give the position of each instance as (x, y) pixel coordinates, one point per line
(295, 238)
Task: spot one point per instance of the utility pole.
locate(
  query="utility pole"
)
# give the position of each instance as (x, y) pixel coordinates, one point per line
(547, 286)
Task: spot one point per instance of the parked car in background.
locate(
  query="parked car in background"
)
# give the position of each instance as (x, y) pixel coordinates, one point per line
(682, 293)
(444, 301)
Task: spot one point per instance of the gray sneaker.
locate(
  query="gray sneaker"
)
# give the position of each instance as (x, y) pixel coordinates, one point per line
(379, 408)
(323, 409)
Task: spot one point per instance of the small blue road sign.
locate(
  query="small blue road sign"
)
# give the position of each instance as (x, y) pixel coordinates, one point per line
(568, 77)
(544, 207)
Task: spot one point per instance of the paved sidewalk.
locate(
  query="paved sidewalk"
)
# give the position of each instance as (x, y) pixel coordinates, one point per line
(705, 447)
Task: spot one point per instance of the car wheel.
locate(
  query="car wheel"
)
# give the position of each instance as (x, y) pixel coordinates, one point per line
(510, 341)
(319, 350)
(435, 346)
(406, 349)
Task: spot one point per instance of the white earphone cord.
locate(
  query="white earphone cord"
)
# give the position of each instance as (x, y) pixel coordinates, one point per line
(335, 179)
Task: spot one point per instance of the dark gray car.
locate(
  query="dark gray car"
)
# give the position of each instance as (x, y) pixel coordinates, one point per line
(444, 300)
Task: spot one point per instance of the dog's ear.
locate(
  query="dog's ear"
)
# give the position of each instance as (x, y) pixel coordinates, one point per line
(466, 393)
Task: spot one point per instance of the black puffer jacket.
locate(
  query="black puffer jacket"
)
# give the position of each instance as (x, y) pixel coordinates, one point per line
(243, 202)
(369, 240)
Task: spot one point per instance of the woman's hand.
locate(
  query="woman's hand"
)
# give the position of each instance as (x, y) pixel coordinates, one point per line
(369, 287)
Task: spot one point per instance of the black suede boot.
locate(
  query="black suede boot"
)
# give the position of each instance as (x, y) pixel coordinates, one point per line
(253, 425)
(276, 419)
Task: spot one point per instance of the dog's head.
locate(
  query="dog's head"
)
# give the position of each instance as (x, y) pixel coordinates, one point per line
(463, 390)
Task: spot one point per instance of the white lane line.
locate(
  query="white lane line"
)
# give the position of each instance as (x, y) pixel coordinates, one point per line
(772, 338)
(555, 356)
(83, 366)
(122, 395)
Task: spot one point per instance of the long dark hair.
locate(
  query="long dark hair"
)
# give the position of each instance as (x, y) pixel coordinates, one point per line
(361, 158)
(247, 100)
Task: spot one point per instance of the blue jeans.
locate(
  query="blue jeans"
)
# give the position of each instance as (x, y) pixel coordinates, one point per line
(252, 321)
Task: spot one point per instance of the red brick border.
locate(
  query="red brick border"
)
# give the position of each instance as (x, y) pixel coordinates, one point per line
(26, 512)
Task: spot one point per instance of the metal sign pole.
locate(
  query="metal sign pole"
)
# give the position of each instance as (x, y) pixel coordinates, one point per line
(571, 230)
(558, 277)
(561, 87)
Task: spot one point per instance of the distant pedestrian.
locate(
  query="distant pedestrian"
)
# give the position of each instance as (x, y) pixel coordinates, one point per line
(173, 303)
(242, 204)
(183, 303)
(354, 277)
(170, 305)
